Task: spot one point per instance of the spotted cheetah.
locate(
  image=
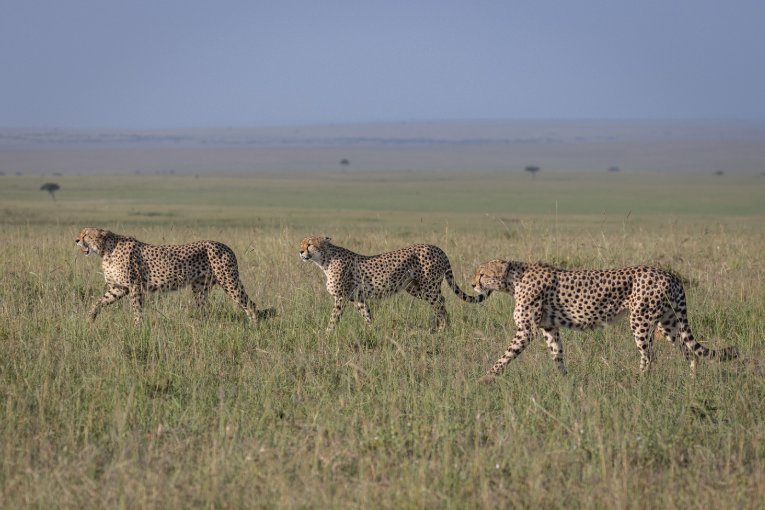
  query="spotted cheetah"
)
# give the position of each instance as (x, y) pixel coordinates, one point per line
(419, 269)
(550, 298)
(133, 267)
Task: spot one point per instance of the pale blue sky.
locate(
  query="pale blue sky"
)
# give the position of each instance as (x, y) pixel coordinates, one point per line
(220, 63)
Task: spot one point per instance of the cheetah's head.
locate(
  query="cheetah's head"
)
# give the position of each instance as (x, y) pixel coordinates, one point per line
(491, 276)
(91, 240)
(312, 248)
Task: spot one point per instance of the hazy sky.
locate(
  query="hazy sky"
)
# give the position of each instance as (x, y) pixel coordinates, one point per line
(219, 63)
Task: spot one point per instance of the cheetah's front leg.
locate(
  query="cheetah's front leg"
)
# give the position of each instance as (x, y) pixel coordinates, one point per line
(337, 311)
(520, 341)
(113, 293)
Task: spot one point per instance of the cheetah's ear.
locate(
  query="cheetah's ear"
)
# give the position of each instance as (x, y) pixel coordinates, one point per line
(100, 234)
(100, 237)
(327, 239)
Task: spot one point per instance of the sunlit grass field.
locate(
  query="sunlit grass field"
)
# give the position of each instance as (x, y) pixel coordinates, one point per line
(190, 410)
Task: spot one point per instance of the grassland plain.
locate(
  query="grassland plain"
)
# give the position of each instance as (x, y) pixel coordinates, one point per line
(191, 411)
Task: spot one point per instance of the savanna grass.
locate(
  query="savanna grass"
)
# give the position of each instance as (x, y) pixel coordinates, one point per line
(193, 410)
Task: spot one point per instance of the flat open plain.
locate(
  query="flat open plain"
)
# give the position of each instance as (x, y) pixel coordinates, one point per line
(189, 410)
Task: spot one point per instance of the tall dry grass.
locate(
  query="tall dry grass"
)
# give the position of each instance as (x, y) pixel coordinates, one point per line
(206, 411)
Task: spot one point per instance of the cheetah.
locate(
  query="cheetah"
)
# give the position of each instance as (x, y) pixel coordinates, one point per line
(133, 267)
(549, 298)
(419, 269)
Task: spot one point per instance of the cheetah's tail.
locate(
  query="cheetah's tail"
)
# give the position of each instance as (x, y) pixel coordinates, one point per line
(462, 295)
(724, 354)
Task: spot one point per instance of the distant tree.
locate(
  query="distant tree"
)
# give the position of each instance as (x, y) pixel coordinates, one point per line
(345, 162)
(614, 169)
(719, 172)
(533, 169)
(52, 188)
